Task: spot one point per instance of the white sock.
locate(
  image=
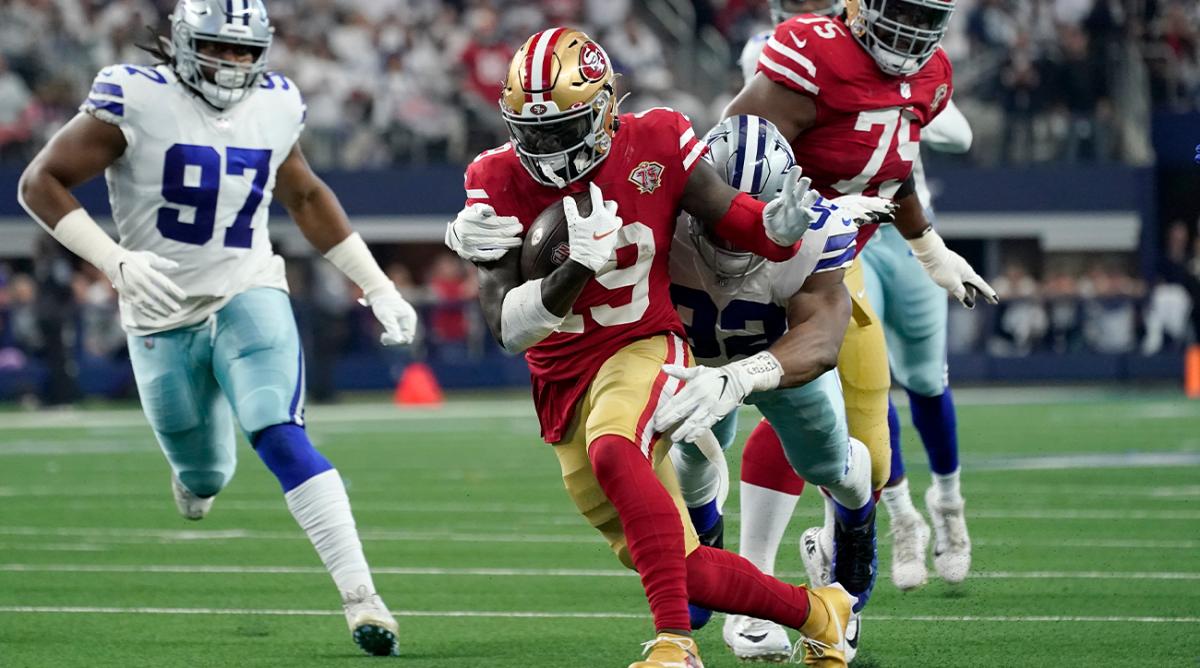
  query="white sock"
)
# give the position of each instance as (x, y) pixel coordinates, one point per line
(765, 515)
(322, 509)
(830, 513)
(853, 491)
(898, 501)
(699, 481)
(948, 486)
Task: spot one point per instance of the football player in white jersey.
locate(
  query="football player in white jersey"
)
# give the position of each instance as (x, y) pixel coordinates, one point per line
(768, 334)
(194, 150)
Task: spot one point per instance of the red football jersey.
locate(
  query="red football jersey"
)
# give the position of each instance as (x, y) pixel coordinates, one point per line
(868, 128)
(652, 155)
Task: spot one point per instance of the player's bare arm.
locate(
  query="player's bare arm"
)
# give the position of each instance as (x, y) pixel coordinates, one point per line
(791, 112)
(818, 316)
(522, 313)
(771, 230)
(79, 152)
(317, 212)
(311, 203)
(558, 290)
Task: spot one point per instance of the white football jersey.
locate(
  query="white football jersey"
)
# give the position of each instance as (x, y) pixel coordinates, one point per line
(728, 320)
(195, 184)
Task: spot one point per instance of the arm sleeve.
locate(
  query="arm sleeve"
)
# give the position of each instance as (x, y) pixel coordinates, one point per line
(949, 132)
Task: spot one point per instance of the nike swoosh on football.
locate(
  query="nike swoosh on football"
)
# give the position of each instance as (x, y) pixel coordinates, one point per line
(853, 640)
(598, 237)
(751, 638)
(800, 43)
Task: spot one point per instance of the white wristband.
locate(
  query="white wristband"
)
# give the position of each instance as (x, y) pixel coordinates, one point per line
(354, 259)
(524, 319)
(83, 237)
(927, 245)
(763, 370)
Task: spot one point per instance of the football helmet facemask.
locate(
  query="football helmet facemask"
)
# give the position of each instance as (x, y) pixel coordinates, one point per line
(901, 35)
(559, 105)
(242, 24)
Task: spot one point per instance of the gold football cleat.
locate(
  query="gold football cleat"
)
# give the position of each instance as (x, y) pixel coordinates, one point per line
(670, 651)
(826, 647)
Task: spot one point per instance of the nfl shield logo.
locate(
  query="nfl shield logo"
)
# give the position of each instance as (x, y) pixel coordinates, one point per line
(647, 177)
(906, 90)
(148, 342)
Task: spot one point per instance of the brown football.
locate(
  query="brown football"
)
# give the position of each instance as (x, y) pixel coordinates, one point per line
(546, 246)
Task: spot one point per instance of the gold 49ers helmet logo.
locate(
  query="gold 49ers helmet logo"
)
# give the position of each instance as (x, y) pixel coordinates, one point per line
(593, 63)
(647, 177)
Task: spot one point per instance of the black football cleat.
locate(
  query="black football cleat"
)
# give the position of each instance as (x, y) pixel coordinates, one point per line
(856, 559)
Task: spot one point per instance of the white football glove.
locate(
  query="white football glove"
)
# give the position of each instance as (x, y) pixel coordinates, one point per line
(788, 216)
(398, 317)
(711, 393)
(138, 278)
(477, 234)
(949, 270)
(866, 210)
(593, 239)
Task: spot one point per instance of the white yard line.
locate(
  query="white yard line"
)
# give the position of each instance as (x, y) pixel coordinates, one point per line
(479, 409)
(184, 537)
(16, 609)
(1071, 462)
(207, 569)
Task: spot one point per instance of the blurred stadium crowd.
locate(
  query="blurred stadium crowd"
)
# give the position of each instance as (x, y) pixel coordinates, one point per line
(404, 81)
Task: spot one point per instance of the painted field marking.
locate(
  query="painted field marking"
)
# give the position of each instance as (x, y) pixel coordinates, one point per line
(207, 569)
(16, 609)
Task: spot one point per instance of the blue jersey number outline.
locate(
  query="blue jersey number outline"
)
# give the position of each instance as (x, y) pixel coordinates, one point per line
(203, 197)
(702, 330)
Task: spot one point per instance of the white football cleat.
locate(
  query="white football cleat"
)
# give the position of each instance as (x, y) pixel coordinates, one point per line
(816, 551)
(753, 639)
(372, 625)
(910, 544)
(852, 632)
(192, 507)
(952, 545)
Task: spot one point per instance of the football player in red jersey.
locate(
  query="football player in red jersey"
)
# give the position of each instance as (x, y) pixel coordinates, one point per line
(598, 328)
(852, 93)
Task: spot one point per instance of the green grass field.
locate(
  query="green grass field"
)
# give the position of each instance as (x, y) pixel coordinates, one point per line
(1084, 509)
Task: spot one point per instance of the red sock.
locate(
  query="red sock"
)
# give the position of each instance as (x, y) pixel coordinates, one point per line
(765, 465)
(727, 582)
(652, 527)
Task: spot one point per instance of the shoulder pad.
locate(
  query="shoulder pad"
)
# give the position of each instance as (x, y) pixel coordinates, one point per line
(118, 91)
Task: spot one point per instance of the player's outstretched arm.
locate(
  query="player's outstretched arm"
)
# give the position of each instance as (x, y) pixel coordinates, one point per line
(322, 220)
(947, 268)
(79, 152)
(743, 220)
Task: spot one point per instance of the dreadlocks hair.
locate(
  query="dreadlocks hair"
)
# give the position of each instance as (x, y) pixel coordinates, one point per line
(157, 45)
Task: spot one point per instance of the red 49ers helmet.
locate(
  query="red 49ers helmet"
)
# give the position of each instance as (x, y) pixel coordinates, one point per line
(559, 105)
